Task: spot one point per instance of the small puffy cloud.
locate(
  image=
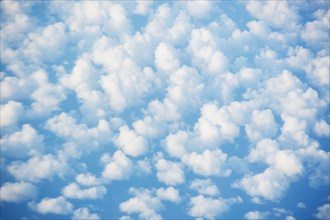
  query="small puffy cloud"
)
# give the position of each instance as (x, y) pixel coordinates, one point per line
(204, 207)
(208, 163)
(270, 10)
(205, 56)
(142, 7)
(131, 143)
(199, 9)
(301, 205)
(169, 194)
(205, 187)
(118, 167)
(23, 143)
(84, 214)
(166, 57)
(11, 112)
(57, 206)
(46, 44)
(66, 127)
(74, 191)
(255, 215)
(318, 71)
(270, 184)
(17, 192)
(322, 128)
(87, 179)
(143, 203)
(169, 172)
(315, 32)
(323, 212)
(38, 168)
(262, 125)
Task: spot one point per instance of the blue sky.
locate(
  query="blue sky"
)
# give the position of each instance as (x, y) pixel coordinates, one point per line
(162, 110)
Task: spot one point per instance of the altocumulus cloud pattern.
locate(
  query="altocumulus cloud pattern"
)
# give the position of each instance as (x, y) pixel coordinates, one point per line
(163, 110)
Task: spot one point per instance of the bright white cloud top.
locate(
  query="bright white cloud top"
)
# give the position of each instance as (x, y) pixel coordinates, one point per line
(155, 109)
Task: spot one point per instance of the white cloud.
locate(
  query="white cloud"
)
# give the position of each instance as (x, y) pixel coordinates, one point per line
(169, 172)
(205, 187)
(200, 9)
(17, 192)
(301, 205)
(47, 44)
(23, 143)
(142, 7)
(318, 71)
(119, 167)
(84, 214)
(79, 135)
(323, 212)
(87, 179)
(202, 47)
(208, 163)
(38, 168)
(142, 203)
(53, 206)
(11, 113)
(284, 161)
(315, 32)
(169, 194)
(204, 207)
(255, 215)
(262, 125)
(131, 143)
(270, 184)
(322, 128)
(277, 14)
(166, 57)
(74, 191)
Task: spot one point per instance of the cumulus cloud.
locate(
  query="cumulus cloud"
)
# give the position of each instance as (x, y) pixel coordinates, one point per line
(147, 203)
(255, 215)
(74, 191)
(41, 167)
(270, 184)
(208, 163)
(11, 112)
(323, 212)
(117, 167)
(322, 128)
(169, 172)
(87, 179)
(17, 192)
(23, 143)
(83, 213)
(131, 143)
(58, 206)
(210, 208)
(205, 187)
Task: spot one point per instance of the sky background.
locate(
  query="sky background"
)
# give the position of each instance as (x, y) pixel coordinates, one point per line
(165, 109)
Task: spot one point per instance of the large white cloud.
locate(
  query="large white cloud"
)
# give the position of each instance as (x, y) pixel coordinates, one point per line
(17, 192)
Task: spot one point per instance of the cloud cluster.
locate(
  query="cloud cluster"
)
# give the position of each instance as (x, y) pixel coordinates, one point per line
(99, 97)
